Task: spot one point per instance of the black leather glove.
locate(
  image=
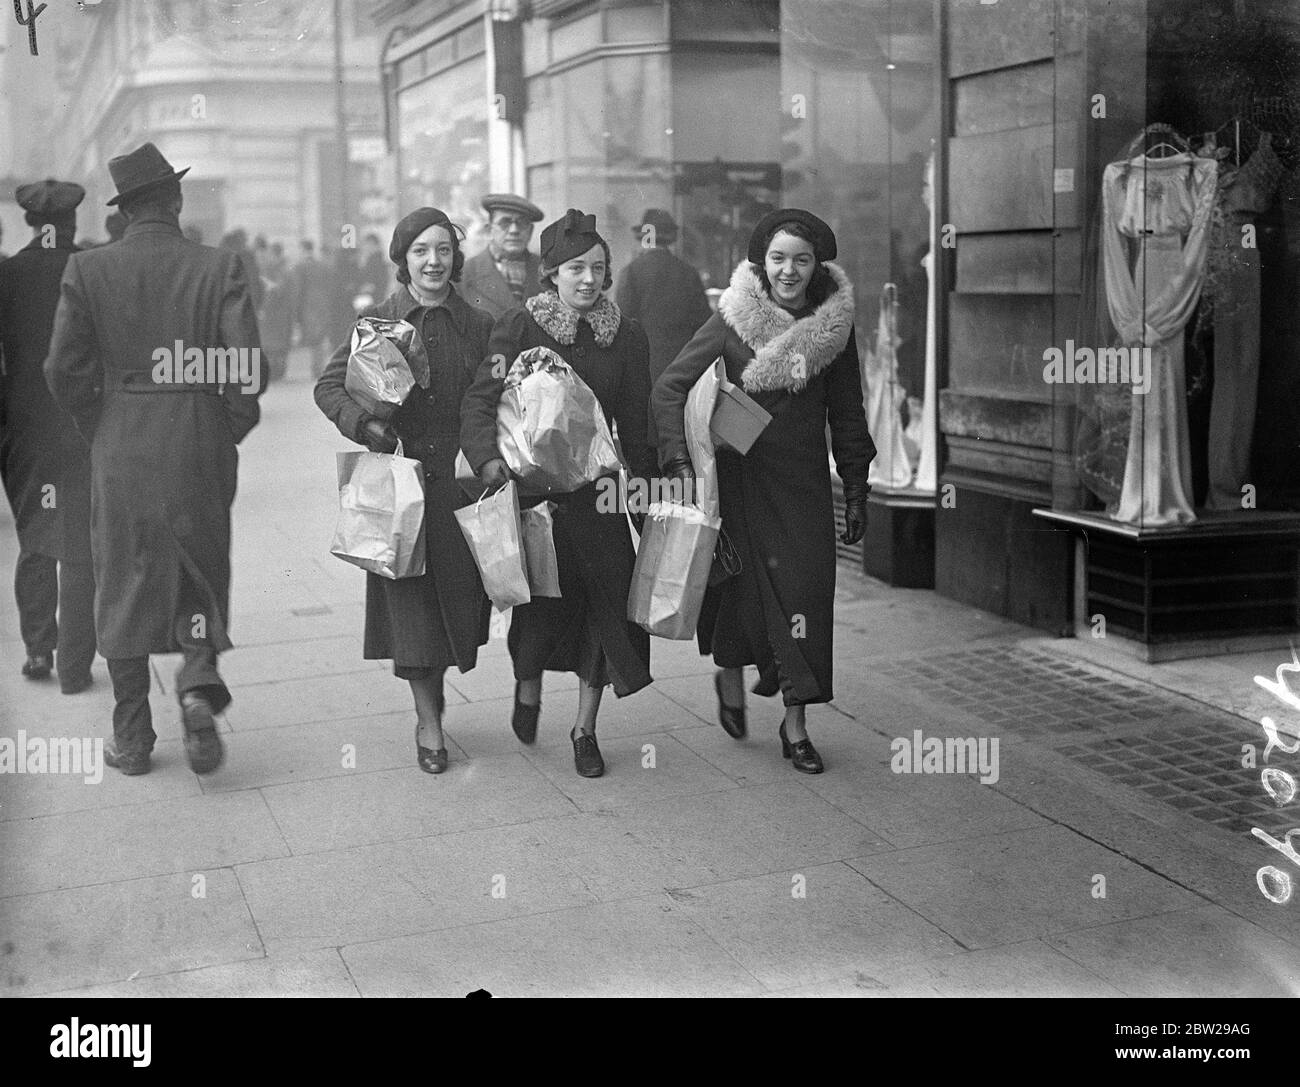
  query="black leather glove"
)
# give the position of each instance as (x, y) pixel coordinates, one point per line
(379, 436)
(680, 468)
(494, 474)
(855, 512)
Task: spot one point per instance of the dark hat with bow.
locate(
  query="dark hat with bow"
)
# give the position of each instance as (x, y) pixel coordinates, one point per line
(49, 199)
(823, 237)
(569, 237)
(141, 169)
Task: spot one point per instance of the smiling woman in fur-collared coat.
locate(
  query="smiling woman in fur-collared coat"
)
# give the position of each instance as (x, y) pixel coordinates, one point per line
(784, 329)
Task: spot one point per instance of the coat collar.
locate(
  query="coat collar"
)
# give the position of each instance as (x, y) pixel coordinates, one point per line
(159, 223)
(401, 305)
(788, 351)
(560, 322)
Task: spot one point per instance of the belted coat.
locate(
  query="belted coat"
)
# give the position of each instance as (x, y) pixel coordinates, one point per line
(163, 457)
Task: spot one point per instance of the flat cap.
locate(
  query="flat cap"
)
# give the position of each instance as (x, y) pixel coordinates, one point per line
(507, 201)
(49, 197)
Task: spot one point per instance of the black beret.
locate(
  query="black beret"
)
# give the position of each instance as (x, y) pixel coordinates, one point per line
(412, 227)
(507, 201)
(823, 236)
(49, 198)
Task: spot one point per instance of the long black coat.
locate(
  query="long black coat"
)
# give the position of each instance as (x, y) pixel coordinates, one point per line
(586, 631)
(440, 618)
(163, 458)
(39, 443)
(776, 507)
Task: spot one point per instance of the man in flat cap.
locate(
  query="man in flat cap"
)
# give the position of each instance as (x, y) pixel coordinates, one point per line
(663, 293)
(504, 275)
(163, 437)
(44, 462)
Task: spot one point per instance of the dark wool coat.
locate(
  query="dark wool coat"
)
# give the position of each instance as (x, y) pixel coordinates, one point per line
(163, 457)
(665, 295)
(39, 443)
(440, 618)
(586, 631)
(776, 500)
(486, 288)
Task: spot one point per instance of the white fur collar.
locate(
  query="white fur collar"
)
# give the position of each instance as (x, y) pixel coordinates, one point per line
(560, 322)
(788, 352)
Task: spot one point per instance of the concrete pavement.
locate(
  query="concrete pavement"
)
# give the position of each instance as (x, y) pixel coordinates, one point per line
(1111, 856)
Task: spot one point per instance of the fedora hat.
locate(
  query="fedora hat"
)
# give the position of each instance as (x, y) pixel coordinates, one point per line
(140, 169)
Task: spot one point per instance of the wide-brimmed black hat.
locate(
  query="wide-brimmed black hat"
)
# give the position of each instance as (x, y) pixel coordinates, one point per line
(823, 236)
(662, 222)
(508, 201)
(49, 199)
(141, 169)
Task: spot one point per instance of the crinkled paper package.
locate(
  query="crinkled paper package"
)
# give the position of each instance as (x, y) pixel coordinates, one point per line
(379, 375)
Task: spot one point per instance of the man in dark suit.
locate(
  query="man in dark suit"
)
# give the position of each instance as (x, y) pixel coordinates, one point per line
(504, 275)
(44, 462)
(663, 293)
(155, 354)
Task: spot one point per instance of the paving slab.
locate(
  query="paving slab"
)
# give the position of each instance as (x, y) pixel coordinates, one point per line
(103, 934)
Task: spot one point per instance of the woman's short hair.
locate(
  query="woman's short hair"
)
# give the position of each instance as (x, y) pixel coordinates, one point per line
(821, 286)
(547, 275)
(403, 274)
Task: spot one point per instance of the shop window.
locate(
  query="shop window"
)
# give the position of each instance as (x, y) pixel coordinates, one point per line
(573, 38)
(470, 40)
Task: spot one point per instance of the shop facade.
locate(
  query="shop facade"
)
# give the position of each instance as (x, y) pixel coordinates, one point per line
(1122, 336)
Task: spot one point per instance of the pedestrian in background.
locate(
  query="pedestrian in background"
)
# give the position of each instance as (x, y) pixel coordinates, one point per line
(784, 329)
(163, 456)
(44, 462)
(424, 624)
(275, 321)
(315, 306)
(663, 293)
(374, 273)
(505, 274)
(586, 630)
(115, 226)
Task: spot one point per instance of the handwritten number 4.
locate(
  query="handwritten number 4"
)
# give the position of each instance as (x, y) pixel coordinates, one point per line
(29, 22)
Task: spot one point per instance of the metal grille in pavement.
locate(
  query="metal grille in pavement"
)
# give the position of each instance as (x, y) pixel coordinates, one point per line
(1174, 750)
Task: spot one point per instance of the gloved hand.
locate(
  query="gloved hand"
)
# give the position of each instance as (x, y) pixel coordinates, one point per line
(855, 512)
(494, 474)
(680, 468)
(638, 522)
(379, 436)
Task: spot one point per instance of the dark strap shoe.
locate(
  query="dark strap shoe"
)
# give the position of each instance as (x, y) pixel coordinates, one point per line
(731, 719)
(130, 763)
(202, 744)
(802, 755)
(38, 666)
(523, 719)
(586, 755)
(429, 760)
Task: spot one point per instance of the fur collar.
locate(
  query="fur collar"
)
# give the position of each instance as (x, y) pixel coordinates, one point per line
(560, 322)
(788, 352)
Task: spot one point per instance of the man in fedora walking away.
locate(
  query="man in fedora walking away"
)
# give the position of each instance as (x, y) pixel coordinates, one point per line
(163, 437)
(504, 275)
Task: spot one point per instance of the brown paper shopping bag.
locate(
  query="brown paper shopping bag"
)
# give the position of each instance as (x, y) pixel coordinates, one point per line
(381, 513)
(492, 529)
(672, 569)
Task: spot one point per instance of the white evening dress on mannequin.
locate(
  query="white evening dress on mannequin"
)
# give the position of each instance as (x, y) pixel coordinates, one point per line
(1162, 206)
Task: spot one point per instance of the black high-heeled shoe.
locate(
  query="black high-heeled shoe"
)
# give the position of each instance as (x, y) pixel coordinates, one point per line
(523, 719)
(731, 719)
(587, 759)
(429, 760)
(802, 755)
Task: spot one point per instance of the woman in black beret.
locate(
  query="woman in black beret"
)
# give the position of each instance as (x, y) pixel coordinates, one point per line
(585, 631)
(424, 624)
(784, 328)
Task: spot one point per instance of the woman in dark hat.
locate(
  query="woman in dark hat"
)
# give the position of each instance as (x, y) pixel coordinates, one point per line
(785, 330)
(424, 624)
(585, 631)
